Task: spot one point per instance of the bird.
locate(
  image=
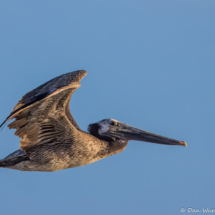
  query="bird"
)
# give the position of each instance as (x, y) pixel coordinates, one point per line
(51, 140)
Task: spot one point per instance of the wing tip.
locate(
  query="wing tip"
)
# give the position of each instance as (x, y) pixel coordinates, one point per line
(3, 123)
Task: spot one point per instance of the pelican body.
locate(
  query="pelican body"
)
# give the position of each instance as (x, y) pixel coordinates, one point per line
(51, 140)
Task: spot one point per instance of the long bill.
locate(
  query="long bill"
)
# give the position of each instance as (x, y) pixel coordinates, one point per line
(126, 132)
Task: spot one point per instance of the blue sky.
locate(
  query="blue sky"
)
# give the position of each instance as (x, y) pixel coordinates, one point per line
(151, 65)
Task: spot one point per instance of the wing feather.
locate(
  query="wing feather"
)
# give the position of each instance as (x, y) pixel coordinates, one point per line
(43, 115)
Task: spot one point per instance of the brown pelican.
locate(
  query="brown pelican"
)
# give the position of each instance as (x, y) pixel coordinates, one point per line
(51, 140)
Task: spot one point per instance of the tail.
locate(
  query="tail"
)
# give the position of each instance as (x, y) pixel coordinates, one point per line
(14, 158)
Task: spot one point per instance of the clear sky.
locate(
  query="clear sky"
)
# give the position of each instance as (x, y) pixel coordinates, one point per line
(150, 64)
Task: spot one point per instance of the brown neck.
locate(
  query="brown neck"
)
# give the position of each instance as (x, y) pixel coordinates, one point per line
(117, 147)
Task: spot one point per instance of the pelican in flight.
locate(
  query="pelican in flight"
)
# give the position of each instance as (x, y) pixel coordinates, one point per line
(51, 140)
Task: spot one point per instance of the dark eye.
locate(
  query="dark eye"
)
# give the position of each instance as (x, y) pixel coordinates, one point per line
(112, 123)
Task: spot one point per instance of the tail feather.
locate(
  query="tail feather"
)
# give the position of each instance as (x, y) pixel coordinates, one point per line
(14, 158)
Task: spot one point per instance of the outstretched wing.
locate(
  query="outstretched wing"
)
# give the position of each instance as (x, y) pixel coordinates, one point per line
(43, 114)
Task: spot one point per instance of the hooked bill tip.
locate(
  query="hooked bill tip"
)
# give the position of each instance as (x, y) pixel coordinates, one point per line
(183, 143)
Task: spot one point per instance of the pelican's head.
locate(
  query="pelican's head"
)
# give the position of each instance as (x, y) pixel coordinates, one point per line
(112, 130)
